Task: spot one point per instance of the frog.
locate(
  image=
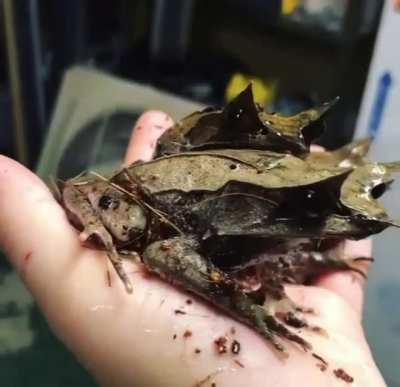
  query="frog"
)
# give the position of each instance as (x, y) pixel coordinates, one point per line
(234, 224)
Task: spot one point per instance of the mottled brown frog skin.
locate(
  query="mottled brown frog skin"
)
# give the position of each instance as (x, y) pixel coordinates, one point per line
(209, 241)
(177, 259)
(234, 225)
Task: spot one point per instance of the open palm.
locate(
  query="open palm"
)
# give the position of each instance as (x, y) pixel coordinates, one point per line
(159, 335)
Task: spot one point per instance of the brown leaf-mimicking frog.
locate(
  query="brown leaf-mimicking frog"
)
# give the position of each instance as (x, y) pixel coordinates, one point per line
(233, 207)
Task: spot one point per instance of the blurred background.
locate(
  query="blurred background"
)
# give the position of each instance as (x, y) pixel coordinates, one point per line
(75, 75)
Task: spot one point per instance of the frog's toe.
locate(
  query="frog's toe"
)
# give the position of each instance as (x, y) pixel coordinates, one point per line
(350, 264)
(294, 320)
(290, 313)
(263, 328)
(353, 265)
(285, 304)
(304, 309)
(291, 319)
(119, 268)
(270, 327)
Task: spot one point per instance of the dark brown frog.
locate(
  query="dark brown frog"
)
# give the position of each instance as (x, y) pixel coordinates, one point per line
(232, 219)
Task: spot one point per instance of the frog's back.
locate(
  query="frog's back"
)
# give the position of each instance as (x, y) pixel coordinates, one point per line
(213, 169)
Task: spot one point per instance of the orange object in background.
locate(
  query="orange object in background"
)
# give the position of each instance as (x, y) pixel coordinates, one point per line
(289, 6)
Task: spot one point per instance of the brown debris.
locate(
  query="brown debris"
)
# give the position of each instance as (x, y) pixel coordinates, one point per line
(197, 350)
(174, 336)
(240, 364)
(340, 373)
(233, 330)
(108, 278)
(321, 359)
(187, 334)
(220, 344)
(178, 311)
(235, 347)
(202, 382)
(317, 329)
(189, 301)
(322, 367)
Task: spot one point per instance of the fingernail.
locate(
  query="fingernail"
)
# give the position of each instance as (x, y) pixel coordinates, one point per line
(150, 126)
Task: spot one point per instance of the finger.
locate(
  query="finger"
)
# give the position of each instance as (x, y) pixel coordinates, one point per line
(149, 127)
(44, 249)
(350, 285)
(317, 148)
(34, 231)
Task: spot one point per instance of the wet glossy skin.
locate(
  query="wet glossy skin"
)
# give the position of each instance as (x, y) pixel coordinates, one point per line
(212, 221)
(194, 256)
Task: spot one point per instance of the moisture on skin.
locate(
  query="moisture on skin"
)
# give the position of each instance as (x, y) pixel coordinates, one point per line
(233, 207)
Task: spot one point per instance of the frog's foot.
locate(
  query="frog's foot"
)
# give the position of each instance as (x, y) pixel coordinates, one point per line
(177, 261)
(116, 261)
(103, 235)
(291, 314)
(279, 304)
(270, 327)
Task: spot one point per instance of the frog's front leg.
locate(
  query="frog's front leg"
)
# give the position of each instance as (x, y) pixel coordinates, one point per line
(82, 211)
(177, 261)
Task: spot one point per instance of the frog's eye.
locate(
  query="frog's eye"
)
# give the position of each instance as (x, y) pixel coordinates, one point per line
(105, 202)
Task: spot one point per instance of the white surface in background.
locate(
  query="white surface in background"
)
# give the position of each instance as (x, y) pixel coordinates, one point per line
(87, 93)
(382, 312)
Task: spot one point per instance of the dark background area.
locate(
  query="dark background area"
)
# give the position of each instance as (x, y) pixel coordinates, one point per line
(190, 48)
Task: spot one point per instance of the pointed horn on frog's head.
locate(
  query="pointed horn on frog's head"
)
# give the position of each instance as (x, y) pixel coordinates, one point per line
(392, 167)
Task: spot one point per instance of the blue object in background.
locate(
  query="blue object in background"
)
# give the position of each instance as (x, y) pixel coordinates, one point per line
(378, 108)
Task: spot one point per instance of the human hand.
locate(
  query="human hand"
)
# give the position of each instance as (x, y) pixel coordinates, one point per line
(138, 339)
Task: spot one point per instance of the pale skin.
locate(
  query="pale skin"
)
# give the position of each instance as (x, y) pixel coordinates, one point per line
(129, 339)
